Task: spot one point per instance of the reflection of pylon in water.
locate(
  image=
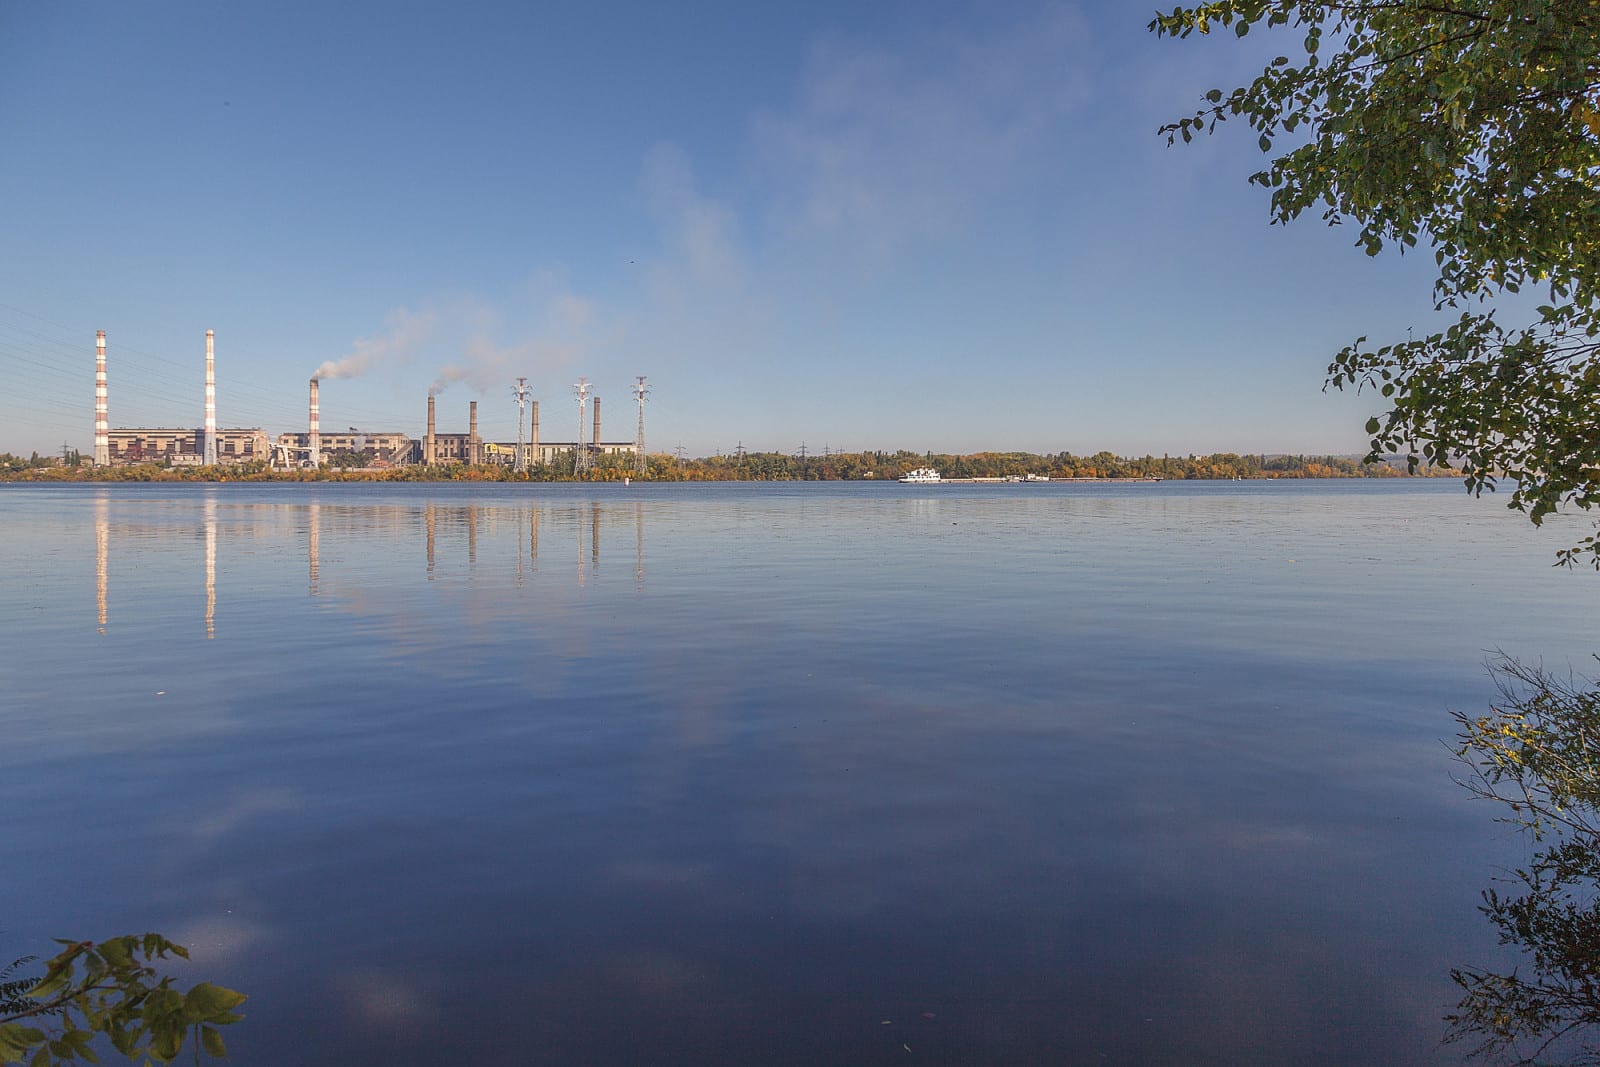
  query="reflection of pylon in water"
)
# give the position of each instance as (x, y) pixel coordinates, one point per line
(640, 391)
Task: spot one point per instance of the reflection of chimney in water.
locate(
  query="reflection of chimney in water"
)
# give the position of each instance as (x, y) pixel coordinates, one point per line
(102, 552)
(314, 542)
(533, 548)
(594, 533)
(211, 567)
(428, 520)
(472, 530)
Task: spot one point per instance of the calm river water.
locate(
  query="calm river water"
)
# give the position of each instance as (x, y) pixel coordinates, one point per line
(773, 774)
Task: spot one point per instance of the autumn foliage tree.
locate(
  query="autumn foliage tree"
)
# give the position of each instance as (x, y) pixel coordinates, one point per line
(1468, 130)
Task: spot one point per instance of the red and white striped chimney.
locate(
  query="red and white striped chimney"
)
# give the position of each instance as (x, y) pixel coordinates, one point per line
(316, 428)
(211, 404)
(102, 429)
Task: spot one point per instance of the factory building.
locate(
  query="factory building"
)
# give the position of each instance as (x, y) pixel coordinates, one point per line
(174, 445)
(386, 447)
(552, 452)
(184, 447)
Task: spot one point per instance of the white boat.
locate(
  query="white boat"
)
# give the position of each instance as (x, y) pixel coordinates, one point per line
(922, 476)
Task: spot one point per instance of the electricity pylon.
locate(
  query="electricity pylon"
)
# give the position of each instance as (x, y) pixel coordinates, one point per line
(640, 390)
(580, 460)
(520, 391)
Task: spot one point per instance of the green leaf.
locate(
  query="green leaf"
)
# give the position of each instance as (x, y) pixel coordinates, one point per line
(166, 1042)
(205, 1001)
(211, 1041)
(117, 953)
(12, 1045)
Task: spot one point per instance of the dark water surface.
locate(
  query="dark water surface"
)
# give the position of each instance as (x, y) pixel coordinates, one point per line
(772, 774)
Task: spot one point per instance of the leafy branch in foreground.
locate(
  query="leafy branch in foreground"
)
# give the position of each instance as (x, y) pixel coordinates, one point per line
(1471, 127)
(13, 991)
(110, 988)
(1537, 752)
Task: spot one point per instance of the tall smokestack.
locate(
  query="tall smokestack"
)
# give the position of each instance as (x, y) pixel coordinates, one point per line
(211, 403)
(472, 432)
(102, 429)
(427, 440)
(595, 440)
(316, 428)
(533, 443)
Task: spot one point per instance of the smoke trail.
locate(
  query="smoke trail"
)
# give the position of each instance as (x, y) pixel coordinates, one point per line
(448, 375)
(406, 332)
(564, 334)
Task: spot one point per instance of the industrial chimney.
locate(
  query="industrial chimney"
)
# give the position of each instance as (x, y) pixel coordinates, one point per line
(102, 430)
(211, 404)
(533, 442)
(427, 440)
(316, 428)
(595, 441)
(472, 432)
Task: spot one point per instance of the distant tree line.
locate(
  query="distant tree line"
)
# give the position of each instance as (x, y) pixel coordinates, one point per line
(10, 464)
(759, 467)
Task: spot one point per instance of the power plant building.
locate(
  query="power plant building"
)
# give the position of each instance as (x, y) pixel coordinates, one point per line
(386, 447)
(182, 446)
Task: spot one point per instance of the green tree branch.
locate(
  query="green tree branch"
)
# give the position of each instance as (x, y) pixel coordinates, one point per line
(111, 989)
(1483, 142)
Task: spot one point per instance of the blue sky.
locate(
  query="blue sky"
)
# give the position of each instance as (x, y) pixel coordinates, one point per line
(936, 226)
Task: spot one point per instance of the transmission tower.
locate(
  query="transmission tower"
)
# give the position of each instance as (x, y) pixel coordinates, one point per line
(520, 391)
(580, 460)
(640, 390)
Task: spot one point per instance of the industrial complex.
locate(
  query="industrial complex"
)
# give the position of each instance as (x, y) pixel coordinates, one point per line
(208, 444)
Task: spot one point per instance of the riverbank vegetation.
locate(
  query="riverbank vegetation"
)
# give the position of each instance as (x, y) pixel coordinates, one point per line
(763, 467)
(112, 989)
(1536, 753)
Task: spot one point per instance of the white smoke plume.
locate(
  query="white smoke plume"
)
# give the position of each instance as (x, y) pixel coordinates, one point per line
(565, 329)
(450, 374)
(406, 332)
